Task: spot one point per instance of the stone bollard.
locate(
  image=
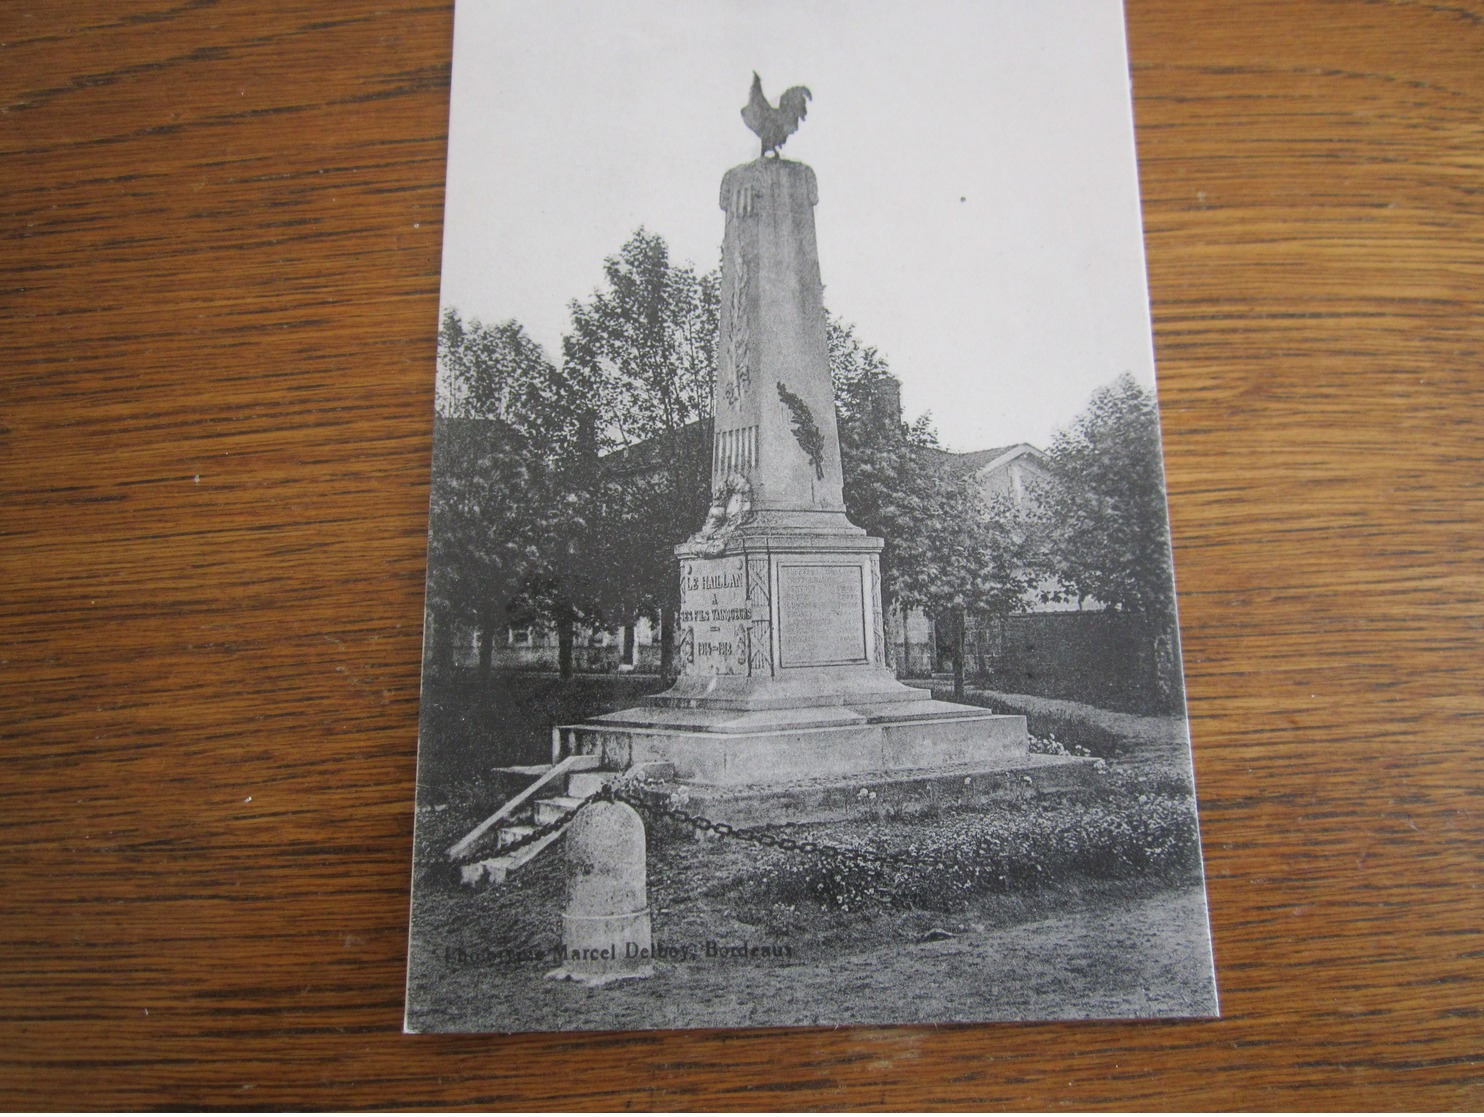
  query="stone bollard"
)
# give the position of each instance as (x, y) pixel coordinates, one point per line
(606, 932)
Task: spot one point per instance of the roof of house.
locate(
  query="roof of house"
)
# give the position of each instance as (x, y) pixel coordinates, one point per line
(977, 460)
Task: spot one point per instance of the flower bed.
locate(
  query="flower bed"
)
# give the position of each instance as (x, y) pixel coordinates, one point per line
(943, 863)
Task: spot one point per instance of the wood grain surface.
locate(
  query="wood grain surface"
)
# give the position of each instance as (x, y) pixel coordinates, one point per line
(218, 299)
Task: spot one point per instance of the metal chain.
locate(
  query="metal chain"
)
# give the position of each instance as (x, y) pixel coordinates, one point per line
(768, 835)
(546, 828)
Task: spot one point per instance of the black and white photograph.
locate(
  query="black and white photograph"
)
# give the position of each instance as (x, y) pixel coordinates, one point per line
(801, 642)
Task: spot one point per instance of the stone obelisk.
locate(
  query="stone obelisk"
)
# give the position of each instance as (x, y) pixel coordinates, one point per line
(780, 592)
(780, 635)
(775, 408)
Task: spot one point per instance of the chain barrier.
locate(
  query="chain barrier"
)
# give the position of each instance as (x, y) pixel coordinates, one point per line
(768, 836)
(545, 828)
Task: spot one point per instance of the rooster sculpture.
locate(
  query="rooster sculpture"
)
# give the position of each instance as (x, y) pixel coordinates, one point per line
(774, 126)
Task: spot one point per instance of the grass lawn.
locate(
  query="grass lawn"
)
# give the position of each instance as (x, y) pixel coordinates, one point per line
(472, 725)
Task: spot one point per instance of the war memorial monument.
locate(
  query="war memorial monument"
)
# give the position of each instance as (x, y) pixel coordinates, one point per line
(780, 637)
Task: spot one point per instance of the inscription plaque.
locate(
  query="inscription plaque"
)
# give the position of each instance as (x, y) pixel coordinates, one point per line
(821, 615)
(715, 613)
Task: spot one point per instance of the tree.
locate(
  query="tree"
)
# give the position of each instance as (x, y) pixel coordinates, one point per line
(646, 344)
(482, 546)
(968, 561)
(948, 550)
(1107, 506)
(891, 469)
(508, 467)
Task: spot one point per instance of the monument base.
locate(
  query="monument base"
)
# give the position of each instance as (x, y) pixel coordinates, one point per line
(783, 653)
(730, 747)
(883, 795)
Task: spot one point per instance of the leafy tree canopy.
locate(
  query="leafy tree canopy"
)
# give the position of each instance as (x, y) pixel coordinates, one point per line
(644, 345)
(891, 475)
(646, 342)
(1109, 504)
(505, 423)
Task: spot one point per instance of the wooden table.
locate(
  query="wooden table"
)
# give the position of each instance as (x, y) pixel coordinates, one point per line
(218, 296)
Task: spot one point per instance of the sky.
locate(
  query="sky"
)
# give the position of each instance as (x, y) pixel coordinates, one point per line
(978, 218)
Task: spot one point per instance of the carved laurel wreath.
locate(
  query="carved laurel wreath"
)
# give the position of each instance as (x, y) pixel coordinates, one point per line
(805, 431)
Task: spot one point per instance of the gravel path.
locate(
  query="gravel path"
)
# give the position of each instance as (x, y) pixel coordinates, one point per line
(1101, 957)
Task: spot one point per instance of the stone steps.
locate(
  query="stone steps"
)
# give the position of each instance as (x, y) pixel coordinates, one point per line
(509, 835)
(494, 870)
(549, 810)
(581, 782)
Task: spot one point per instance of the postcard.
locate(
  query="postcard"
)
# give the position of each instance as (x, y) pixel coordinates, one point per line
(801, 642)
